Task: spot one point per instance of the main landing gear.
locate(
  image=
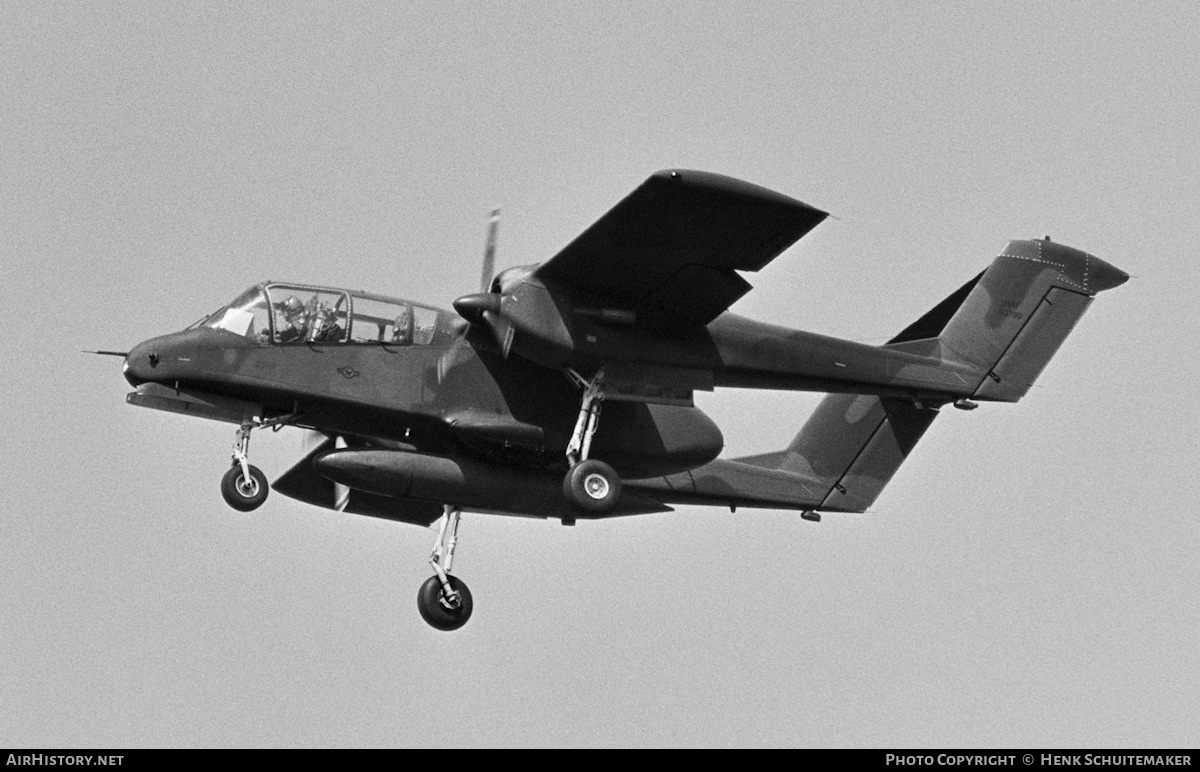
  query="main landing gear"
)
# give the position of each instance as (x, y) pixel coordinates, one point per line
(444, 600)
(591, 486)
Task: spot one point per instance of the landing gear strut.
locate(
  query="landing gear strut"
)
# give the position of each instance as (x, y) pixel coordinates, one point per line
(444, 600)
(244, 486)
(592, 486)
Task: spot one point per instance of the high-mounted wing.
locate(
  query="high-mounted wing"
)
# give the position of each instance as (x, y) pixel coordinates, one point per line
(670, 251)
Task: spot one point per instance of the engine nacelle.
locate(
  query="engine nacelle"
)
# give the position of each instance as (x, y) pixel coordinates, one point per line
(539, 318)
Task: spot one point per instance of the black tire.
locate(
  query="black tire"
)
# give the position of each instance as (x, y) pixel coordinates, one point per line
(433, 611)
(242, 494)
(593, 487)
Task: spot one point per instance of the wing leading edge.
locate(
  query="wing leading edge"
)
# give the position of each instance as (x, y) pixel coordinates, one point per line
(670, 250)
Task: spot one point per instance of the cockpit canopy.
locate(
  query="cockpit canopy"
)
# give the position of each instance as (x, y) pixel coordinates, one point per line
(295, 313)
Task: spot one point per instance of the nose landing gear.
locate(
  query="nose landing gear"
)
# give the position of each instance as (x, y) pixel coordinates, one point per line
(444, 600)
(244, 486)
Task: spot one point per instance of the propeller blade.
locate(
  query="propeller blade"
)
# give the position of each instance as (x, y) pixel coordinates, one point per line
(485, 308)
(451, 358)
(502, 329)
(341, 493)
(489, 252)
(310, 440)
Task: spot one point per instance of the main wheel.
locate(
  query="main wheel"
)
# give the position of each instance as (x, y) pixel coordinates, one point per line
(436, 611)
(244, 494)
(593, 486)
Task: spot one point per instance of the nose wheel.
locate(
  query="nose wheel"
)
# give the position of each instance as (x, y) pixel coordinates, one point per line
(244, 486)
(242, 492)
(444, 600)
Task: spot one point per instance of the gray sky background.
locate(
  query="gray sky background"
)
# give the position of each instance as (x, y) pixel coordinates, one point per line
(1029, 577)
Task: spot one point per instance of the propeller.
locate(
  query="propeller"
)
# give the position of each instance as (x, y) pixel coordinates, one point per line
(489, 252)
(310, 441)
(486, 307)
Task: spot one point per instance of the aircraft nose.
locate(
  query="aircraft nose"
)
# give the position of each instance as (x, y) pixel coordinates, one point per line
(140, 363)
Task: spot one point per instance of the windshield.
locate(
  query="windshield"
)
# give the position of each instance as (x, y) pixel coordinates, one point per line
(246, 316)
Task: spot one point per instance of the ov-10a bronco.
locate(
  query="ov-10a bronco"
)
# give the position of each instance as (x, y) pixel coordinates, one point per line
(496, 407)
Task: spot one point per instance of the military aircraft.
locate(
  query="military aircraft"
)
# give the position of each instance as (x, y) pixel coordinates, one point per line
(496, 407)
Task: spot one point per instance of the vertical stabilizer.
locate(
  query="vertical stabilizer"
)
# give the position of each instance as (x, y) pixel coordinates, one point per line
(853, 444)
(1009, 321)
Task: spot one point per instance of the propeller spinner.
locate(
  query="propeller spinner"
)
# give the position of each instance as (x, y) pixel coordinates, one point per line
(486, 307)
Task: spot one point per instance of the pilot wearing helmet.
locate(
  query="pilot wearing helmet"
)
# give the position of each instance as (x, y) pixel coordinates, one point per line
(294, 320)
(325, 328)
(402, 332)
